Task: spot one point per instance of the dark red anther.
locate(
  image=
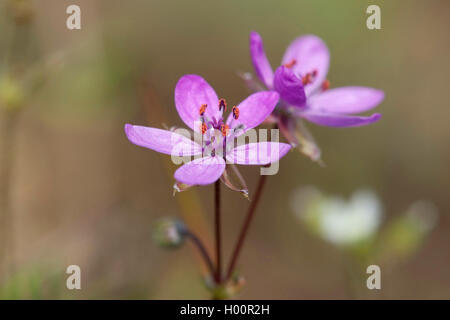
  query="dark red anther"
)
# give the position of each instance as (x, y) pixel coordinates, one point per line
(203, 128)
(202, 109)
(224, 129)
(290, 64)
(326, 85)
(307, 79)
(223, 105)
(235, 111)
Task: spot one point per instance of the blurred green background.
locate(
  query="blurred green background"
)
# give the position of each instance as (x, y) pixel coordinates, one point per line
(82, 194)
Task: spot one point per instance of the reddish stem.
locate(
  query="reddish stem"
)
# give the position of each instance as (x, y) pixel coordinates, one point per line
(199, 244)
(248, 219)
(218, 274)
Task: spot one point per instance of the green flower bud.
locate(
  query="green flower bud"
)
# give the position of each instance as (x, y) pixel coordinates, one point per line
(169, 233)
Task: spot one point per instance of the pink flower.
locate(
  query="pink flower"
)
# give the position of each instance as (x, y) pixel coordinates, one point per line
(302, 84)
(202, 111)
(301, 81)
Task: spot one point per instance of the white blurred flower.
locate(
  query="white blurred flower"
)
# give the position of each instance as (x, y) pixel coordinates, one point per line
(345, 223)
(336, 220)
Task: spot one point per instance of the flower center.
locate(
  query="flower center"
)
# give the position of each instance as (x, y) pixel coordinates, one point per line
(214, 131)
(310, 77)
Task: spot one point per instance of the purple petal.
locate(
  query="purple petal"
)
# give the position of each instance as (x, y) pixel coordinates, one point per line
(310, 53)
(338, 120)
(201, 171)
(163, 141)
(259, 59)
(254, 110)
(259, 153)
(289, 86)
(190, 93)
(346, 100)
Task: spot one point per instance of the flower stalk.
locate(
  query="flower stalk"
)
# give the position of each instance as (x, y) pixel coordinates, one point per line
(202, 249)
(248, 219)
(218, 271)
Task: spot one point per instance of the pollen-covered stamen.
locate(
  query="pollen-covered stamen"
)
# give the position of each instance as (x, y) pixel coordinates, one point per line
(309, 77)
(325, 85)
(224, 129)
(223, 105)
(290, 64)
(235, 111)
(202, 109)
(203, 128)
(306, 79)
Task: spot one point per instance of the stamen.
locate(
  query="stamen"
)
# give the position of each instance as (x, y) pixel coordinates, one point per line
(203, 109)
(306, 79)
(326, 85)
(224, 128)
(235, 111)
(290, 64)
(203, 128)
(309, 77)
(223, 105)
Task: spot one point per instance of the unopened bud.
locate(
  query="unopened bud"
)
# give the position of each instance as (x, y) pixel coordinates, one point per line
(169, 233)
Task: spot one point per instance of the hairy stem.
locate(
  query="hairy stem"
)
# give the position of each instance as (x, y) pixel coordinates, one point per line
(218, 274)
(248, 219)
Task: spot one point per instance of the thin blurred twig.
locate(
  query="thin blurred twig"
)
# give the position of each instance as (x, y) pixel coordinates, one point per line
(7, 135)
(16, 64)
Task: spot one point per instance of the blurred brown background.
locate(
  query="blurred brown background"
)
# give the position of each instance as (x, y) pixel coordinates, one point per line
(82, 194)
